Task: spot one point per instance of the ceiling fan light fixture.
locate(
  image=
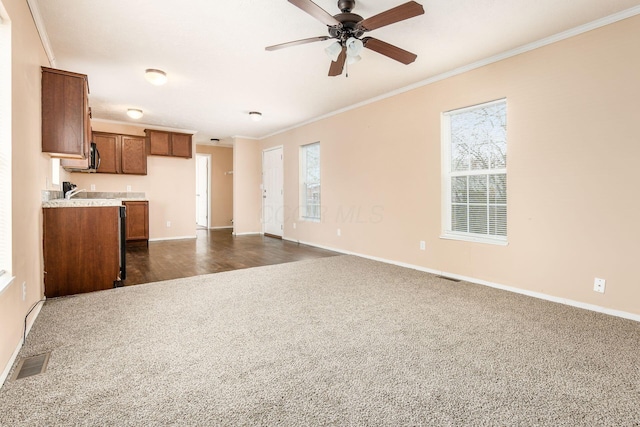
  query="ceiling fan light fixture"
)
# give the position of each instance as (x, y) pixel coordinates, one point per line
(155, 77)
(353, 59)
(354, 47)
(333, 51)
(134, 113)
(255, 116)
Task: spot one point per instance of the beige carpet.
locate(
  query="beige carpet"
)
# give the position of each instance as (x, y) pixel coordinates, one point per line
(332, 341)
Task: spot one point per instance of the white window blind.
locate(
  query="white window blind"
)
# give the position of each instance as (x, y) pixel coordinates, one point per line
(475, 173)
(310, 181)
(5, 149)
(55, 171)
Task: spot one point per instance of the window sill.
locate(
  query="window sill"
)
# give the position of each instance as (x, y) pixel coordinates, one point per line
(5, 281)
(310, 219)
(475, 239)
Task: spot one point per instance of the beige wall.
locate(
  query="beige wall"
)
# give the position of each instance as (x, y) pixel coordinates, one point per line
(169, 185)
(221, 203)
(247, 197)
(29, 174)
(573, 154)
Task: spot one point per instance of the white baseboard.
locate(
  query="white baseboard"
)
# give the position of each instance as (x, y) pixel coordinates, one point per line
(12, 359)
(221, 228)
(161, 239)
(539, 295)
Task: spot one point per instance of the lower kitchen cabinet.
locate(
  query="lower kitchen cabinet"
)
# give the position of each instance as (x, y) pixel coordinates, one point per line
(81, 249)
(137, 229)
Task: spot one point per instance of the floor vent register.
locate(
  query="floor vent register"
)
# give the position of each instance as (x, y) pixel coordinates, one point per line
(30, 366)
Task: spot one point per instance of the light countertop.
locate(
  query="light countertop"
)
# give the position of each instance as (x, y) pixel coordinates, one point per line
(91, 199)
(80, 203)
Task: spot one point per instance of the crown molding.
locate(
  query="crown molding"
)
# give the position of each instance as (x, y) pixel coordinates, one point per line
(42, 31)
(598, 23)
(145, 126)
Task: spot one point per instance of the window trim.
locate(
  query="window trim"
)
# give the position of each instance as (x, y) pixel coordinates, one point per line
(6, 278)
(302, 183)
(447, 174)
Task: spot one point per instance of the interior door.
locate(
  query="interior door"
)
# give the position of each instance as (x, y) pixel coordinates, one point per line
(272, 192)
(202, 190)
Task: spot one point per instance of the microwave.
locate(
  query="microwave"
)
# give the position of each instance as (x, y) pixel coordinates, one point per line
(90, 164)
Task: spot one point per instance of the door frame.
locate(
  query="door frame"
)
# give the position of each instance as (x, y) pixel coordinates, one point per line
(281, 148)
(208, 157)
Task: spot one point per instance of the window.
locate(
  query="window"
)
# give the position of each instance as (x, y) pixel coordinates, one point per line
(475, 173)
(5, 149)
(55, 171)
(310, 181)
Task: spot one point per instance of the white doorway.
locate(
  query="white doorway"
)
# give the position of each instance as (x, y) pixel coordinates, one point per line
(272, 192)
(203, 189)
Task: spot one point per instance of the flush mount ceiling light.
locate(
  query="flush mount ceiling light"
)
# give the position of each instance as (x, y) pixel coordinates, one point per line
(155, 77)
(134, 113)
(255, 116)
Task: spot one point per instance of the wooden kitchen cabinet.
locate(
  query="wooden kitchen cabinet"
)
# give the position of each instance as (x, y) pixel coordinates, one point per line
(162, 143)
(107, 145)
(81, 249)
(124, 154)
(66, 125)
(133, 155)
(181, 145)
(137, 229)
(159, 142)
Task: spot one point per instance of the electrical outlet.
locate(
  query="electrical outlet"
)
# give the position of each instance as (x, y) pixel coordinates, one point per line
(168, 224)
(423, 245)
(339, 232)
(294, 225)
(128, 188)
(93, 187)
(598, 285)
(24, 291)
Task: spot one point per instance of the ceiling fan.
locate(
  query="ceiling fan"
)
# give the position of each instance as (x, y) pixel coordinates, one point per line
(348, 29)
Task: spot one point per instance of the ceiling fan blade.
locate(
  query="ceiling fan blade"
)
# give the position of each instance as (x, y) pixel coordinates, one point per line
(391, 16)
(316, 11)
(336, 66)
(389, 50)
(297, 42)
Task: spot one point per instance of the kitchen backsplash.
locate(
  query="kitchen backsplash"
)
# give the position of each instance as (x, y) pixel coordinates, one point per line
(48, 195)
(51, 195)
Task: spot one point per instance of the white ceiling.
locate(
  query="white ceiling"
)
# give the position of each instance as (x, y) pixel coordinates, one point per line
(213, 52)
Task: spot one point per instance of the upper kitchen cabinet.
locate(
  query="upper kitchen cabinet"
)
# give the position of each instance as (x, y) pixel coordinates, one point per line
(66, 126)
(107, 146)
(134, 155)
(181, 145)
(162, 143)
(121, 153)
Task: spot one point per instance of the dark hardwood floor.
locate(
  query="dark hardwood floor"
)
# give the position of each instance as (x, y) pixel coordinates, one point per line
(213, 251)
